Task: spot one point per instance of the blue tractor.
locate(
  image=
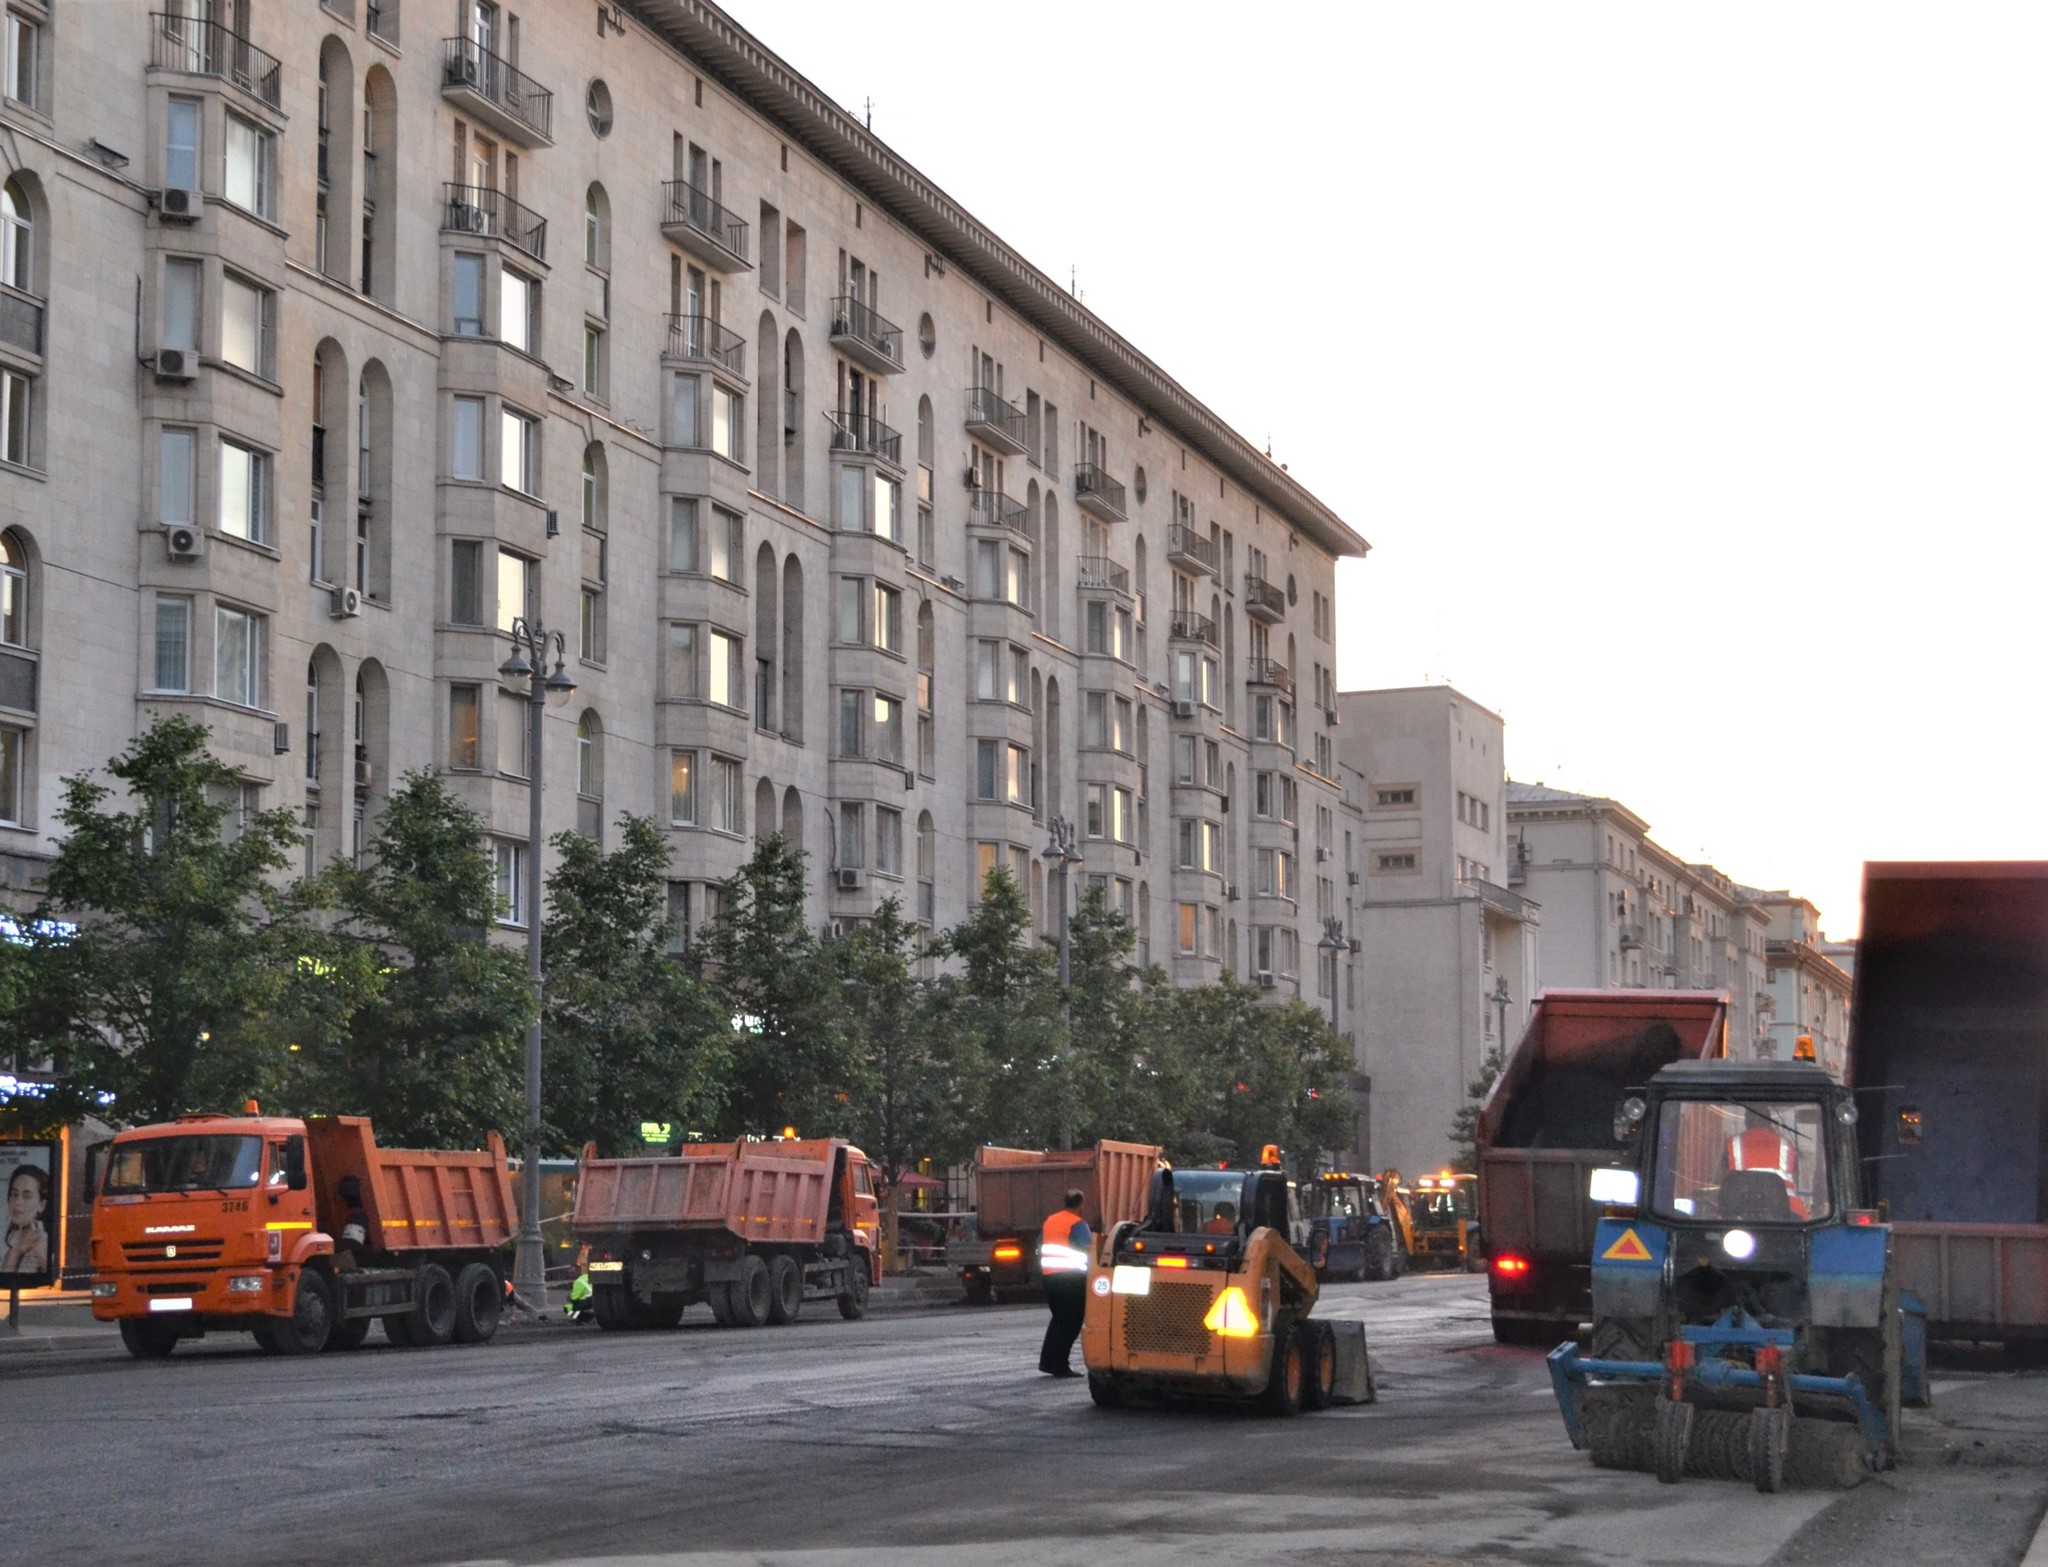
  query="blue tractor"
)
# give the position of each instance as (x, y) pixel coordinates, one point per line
(1747, 1318)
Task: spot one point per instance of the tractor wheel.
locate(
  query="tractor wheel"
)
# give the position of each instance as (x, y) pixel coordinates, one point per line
(1379, 1253)
(853, 1299)
(785, 1290)
(1400, 1260)
(1285, 1383)
(305, 1331)
(1618, 1426)
(1319, 1345)
(1626, 1338)
(1876, 1356)
(149, 1338)
(608, 1305)
(1319, 1252)
(1673, 1436)
(1770, 1433)
(479, 1303)
(1103, 1389)
(748, 1294)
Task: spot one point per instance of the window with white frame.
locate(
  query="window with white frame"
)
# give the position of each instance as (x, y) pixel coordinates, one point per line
(888, 622)
(888, 508)
(725, 673)
(518, 310)
(466, 440)
(173, 665)
(24, 58)
(13, 756)
(17, 402)
(248, 326)
(888, 726)
(244, 492)
(728, 419)
(251, 155)
(888, 841)
(468, 301)
(726, 808)
(852, 736)
(465, 720)
(682, 788)
(510, 865)
(682, 679)
(181, 304)
(238, 656)
(181, 143)
(596, 360)
(519, 451)
(684, 416)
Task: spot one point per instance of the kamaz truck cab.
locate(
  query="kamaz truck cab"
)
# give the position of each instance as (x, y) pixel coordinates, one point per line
(1737, 1278)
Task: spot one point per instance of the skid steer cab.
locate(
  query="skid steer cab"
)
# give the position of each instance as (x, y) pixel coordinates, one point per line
(1206, 1297)
(1747, 1319)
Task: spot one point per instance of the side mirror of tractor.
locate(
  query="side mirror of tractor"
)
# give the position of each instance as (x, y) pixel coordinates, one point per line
(1628, 1118)
(295, 1163)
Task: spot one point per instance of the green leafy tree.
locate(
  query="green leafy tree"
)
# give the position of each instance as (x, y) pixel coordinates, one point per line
(424, 1015)
(167, 994)
(1267, 1074)
(1465, 1124)
(1133, 1074)
(630, 1035)
(793, 1060)
(1005, 998)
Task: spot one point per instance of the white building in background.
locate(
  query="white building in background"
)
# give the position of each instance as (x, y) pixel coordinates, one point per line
(1622, 912)
(1809, 990)
(1447, 945)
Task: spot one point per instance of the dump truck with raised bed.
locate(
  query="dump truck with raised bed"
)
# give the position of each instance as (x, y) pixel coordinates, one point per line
(1014, 1190)
(1206, 1297)
(1747, 1309)
(229, 1223)
(1948, 1053)
(753, 1229)
(1545, 1126)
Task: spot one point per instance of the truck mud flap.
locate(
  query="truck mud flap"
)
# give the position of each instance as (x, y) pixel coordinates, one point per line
(1352, 1382)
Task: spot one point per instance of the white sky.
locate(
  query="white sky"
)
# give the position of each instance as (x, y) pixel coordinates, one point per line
(1683, 365)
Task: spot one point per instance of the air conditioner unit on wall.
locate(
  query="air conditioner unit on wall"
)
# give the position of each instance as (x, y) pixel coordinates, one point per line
(180, 206)
(1183, 710)
(851, 881)
(185, 541)
(1266, 979)
(175, 364)
(344, 603)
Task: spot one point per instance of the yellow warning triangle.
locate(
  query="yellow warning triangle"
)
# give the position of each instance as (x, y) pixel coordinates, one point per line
(1629, 1248)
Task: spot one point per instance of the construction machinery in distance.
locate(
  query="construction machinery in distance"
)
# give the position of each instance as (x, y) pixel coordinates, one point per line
(1443, 1213)
(1747, 1315)
(1207, 1297)
(1353, 1230)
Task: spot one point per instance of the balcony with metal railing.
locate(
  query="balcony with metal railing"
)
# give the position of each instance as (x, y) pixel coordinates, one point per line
(1102, 573)
(1262, 600)
(497, 92)
(1187, 626)
(995, 421)
(1095, 491)
(866, 336)
(691, 219)
(202, 48)
(702, 339)
(21, 322)
(1271, 672)
(994, 509)
(476, 209)
(1188, 548)
(866, 436)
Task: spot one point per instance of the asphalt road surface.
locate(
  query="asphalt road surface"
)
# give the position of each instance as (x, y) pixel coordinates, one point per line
(923, 1437)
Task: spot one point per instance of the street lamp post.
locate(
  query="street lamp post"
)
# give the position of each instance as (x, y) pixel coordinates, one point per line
(1333, 942)
(1061, 853)
(531, 645)
(1500, 1000)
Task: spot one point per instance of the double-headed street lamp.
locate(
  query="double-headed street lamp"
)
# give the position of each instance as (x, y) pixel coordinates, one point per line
(1059, 853)
(531, 645)
(1333, 942)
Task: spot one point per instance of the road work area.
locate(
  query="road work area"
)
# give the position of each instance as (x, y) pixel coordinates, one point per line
(927, 1437)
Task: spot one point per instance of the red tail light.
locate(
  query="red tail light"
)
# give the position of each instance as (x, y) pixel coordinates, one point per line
(1510, 1266)
(1008, 1253)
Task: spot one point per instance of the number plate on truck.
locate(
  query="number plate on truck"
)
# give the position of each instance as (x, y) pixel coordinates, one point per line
(172, 1303)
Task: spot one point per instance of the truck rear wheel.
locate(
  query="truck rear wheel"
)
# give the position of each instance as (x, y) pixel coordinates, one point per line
(479, 1303)
(748, 1294)
(608, 1305)
(853, 1298)
(785, 1290)
(1284, 1384)
(149, 1338)
(348, 1332)
(305, 1331)
(432, 1322)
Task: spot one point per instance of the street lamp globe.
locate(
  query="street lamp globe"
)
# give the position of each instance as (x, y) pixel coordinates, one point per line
(559, 686)
(515, 666)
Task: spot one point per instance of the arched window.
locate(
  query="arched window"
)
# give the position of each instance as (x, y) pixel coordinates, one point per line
(597, 229)
(369, 562)
(14, 604)
(590, 776)
(17, 238)
(379, 259)
(595, 474)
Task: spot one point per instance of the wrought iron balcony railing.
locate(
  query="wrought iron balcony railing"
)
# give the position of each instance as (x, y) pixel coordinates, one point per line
(1191, 627)
(466, 64)
(1271, 672)
(1096, 490)
(858, 323)
(1189, 546)
(1263, 599)
(993, 509)
(865, 434)
(185, 43)
(700, 337)
(995, 419)
(477, 209)
(695, 209)
(1099, 571)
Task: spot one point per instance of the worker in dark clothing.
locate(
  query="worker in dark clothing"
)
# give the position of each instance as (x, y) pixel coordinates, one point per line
(1063, 1260)
(352, 1239)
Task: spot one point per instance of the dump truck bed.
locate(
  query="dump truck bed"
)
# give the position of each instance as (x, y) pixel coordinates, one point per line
(1949, 1027)
(417, 1199)
(1015, 1188)
(763, 1193)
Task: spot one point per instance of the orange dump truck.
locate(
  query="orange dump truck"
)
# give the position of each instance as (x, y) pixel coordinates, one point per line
(753, 1229)
(215, 1222)
(1016, 1188)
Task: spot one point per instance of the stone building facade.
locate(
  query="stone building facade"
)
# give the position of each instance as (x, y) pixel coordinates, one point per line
(335, 337)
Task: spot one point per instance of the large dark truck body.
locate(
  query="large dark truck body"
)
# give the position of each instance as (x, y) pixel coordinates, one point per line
(1949, 1057)
(1548, 1122)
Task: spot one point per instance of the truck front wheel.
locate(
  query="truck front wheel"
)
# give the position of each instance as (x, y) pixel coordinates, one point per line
(149, 1338)
(305, 1331)
(479, 1303)
(853, 1299)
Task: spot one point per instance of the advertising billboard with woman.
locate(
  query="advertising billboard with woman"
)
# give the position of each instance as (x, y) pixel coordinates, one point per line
(28, 1215)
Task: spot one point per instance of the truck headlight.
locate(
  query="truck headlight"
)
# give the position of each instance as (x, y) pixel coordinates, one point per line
(104, 1289)
(246, 1284)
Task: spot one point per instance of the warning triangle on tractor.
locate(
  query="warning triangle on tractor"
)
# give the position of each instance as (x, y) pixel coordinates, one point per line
(1629, 1248)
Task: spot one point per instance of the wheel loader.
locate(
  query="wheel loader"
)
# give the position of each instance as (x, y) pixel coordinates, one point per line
(1206, 1298)
(1747, 1317)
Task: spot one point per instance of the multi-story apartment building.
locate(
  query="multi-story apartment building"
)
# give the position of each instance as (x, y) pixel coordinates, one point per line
(1808, 989)
(336, 337)
(1447, 950)
(1620, 911)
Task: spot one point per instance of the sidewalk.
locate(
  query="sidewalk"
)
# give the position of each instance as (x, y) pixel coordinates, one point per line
(61, 1323)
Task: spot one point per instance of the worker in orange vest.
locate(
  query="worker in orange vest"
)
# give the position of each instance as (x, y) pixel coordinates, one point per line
(1762, 1147)
(1063, 1260)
